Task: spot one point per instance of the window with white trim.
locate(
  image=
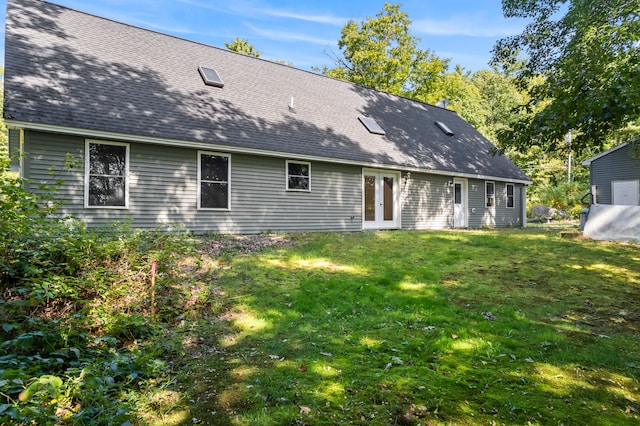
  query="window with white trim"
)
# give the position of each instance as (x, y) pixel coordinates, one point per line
(490, 194)
(511, 199)
(106, 174)
(298, 175)
(214, 179)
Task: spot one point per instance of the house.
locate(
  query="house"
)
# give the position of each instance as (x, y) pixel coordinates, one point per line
(152, 129)
(614, 213)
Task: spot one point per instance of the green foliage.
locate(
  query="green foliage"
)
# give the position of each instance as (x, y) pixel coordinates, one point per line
(381, 53)
(242, 45)
(588, 54)
(66, 356)
(566, 196)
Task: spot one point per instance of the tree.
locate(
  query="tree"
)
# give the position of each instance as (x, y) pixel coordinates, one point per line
(381, 53)
(242, 45)
(588, 55)
(463, 96)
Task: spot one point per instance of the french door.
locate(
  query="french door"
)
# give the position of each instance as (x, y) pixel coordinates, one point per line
(381, 195)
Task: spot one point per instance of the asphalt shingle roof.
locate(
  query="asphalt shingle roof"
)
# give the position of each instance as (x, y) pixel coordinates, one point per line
(67, 68)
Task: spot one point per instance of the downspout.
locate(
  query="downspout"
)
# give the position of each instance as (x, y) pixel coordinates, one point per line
(21, 150)
(524, 206)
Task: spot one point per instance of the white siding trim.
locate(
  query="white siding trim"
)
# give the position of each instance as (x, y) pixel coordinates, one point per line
(286, 172)
(492, 207)
(513, 195)
(217, 154)
(87, 169)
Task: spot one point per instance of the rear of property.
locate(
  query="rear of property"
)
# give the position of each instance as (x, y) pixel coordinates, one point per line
(155, 130)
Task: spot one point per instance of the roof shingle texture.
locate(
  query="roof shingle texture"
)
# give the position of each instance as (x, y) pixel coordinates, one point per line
(71, 69)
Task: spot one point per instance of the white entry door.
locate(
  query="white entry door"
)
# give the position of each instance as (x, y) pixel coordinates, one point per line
(626, 192)
(380, 200)
(460, 216)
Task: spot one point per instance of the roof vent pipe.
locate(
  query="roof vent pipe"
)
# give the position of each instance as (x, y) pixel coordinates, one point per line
(445, 129)
(443, 103)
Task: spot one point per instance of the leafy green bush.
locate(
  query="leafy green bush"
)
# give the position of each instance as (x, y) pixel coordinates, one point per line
(78, 345)
(565, 196)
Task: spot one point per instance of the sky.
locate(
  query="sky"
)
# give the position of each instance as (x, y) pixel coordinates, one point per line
(306, 33)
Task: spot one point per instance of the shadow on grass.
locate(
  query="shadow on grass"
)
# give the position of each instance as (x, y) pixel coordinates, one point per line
(408, 328)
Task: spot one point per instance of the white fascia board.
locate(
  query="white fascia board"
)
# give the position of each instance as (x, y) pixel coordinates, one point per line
(88, 133)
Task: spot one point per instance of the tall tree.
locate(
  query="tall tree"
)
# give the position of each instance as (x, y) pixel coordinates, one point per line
(463, 96)
(588, 53)
(242, 45)
(381, 53)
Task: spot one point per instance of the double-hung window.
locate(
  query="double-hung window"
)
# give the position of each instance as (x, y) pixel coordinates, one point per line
(490, 194)
(298, 175)
(106, 174)
(213, 181)
(511, 201)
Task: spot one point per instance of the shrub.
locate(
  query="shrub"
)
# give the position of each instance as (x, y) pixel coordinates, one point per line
(78, 346)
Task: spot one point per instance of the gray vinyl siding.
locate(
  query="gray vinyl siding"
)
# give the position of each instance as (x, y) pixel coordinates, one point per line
(14, 148)
(620, 164)
(499, 215)
(163, 190)
(427, 201)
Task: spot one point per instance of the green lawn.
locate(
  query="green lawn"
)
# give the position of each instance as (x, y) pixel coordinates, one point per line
(433, 328)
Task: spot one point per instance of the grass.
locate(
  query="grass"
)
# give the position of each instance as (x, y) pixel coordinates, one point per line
(441, 328)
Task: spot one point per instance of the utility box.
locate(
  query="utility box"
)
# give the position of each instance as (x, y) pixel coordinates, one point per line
(584, 214)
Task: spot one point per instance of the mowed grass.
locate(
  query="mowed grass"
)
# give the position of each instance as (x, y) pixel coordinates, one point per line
(433, 328)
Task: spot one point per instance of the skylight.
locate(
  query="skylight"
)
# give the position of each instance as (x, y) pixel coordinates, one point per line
(445, 129)
(210, 77)
(372, 126)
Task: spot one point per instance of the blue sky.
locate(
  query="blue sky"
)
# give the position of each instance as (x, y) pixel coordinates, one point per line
(303, 32)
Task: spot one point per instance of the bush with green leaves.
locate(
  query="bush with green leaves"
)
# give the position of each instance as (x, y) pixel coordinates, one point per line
(565, 196)
(66, 356)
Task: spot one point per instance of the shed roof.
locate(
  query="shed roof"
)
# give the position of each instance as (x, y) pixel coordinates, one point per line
(71, 71)
(603, 154)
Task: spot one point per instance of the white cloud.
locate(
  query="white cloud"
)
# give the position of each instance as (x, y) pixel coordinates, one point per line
(288, 36)
(470, 26)
(320, 19)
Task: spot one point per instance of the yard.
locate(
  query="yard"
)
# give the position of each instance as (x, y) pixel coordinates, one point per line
(471, 327)
(482, 327)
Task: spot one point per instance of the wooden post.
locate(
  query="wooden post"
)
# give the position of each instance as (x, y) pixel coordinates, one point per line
(153, 290)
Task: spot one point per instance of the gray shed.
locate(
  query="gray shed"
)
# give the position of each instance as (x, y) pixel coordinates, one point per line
(614, 213)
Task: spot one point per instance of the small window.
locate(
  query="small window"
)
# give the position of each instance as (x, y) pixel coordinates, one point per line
(106, 174)
(298, 176)
(372, 125)
(511, 201)
(490, 194)
(213, 181)
(210, 77)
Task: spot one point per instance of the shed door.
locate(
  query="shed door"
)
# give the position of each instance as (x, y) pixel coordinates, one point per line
(626, 192)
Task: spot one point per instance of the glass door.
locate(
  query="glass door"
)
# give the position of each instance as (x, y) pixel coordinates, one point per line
(380, 193)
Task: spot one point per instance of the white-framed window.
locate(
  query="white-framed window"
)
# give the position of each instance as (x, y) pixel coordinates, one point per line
(106, 182)
(298, 175)
(490, 194)
(511, 198)
(214, 181)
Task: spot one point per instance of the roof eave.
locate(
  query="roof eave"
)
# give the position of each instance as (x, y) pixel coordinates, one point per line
(125, 137)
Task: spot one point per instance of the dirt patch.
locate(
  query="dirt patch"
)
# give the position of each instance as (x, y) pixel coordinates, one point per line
(244, 244)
